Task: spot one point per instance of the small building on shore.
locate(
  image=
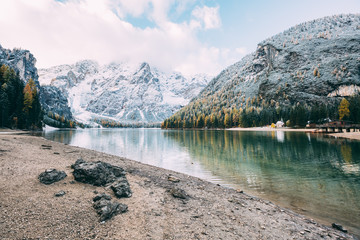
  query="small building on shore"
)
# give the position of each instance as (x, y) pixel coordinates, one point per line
(279, 124)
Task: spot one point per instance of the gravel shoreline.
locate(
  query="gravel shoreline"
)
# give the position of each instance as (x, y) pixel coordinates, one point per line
(29, 209)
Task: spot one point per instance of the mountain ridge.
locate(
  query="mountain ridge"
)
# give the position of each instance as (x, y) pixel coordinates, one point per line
(121, 92)
(312, 63)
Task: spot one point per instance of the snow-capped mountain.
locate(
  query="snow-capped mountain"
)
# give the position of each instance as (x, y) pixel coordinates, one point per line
(122, 92)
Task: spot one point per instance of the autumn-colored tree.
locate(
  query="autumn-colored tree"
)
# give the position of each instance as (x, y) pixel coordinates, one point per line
(344, 111)
(227, 121)
(200, 122)
(29, 94)
(207, 122)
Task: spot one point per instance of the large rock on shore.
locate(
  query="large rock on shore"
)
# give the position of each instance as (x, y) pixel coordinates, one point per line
(96, 173)
(107, 209)
(102, 174)
(51, 175)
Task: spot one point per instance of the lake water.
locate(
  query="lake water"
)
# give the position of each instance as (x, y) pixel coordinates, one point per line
(311, 174)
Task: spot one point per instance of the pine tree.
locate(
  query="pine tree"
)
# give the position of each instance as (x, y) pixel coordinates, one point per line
(354, 108)
(207, 122)
(227, 121)
(301, 116)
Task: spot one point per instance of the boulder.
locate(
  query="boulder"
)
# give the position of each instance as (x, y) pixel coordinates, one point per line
(121, 188)
(51, 175)
(107, 209)
(96, 173)
(102, 174)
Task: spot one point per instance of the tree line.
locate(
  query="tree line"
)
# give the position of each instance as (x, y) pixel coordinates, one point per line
(55, 120)
(109, 123)
(19, 102)
(293, 116)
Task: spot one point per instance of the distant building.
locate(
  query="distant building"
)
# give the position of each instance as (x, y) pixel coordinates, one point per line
(279, 124)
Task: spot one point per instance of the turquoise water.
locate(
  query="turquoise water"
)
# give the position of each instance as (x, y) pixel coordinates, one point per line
(311, 174)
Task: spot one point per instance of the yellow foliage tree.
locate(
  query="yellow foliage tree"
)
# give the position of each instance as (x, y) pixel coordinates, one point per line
(29, 95)
(227, 121)
(344, 109)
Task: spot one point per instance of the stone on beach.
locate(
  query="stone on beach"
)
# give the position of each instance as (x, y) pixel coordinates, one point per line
(51, 175)
(178, 193)
(60, 194)
(173, 179)
(96, 173)
(338, 227)
(107, 209)
(102, 174)
(121, 188)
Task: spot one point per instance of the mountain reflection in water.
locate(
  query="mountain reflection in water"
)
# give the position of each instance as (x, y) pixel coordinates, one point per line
(308, 173)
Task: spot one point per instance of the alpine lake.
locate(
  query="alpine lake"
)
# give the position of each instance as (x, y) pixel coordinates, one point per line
(312, 174)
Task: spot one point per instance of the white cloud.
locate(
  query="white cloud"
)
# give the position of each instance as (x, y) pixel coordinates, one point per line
(209, 16)
(65, 32)
(134, 7)
(241, 50)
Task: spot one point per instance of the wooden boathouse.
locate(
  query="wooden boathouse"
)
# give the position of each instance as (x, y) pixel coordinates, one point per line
(338, 126)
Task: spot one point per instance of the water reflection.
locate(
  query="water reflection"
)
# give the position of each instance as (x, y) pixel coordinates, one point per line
(144, 145)
(308, 173)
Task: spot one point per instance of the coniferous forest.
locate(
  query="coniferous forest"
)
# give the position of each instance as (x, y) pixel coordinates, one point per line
(206, 116)
(19, 103)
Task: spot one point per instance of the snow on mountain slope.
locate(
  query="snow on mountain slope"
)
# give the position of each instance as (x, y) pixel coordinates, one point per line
(312, 63)
(122, 92)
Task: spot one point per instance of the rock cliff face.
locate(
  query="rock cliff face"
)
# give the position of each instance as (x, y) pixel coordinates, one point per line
(53, 100)
(22, 61)
(120, 91)
(314, 62)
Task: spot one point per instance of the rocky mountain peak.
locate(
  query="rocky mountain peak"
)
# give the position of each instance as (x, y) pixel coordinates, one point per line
(122, 92)
(143, 75)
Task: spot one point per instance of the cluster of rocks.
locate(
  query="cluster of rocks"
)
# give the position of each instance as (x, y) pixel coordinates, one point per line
(97, 174)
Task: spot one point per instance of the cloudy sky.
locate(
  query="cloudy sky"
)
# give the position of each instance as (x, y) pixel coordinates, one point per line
(189, 36)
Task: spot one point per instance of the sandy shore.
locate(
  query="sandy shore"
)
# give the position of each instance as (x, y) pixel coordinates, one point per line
(349, 135)
(29, 209)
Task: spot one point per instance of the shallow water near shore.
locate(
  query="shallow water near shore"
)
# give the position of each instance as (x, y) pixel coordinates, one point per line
(314, 175)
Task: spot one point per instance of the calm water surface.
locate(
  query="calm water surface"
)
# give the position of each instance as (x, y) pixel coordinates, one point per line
(311, 174)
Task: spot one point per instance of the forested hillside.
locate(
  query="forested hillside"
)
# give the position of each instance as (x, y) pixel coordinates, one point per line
(19, 103)
(296, 76)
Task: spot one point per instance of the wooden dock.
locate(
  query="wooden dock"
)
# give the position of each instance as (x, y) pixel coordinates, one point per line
(338, 126)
